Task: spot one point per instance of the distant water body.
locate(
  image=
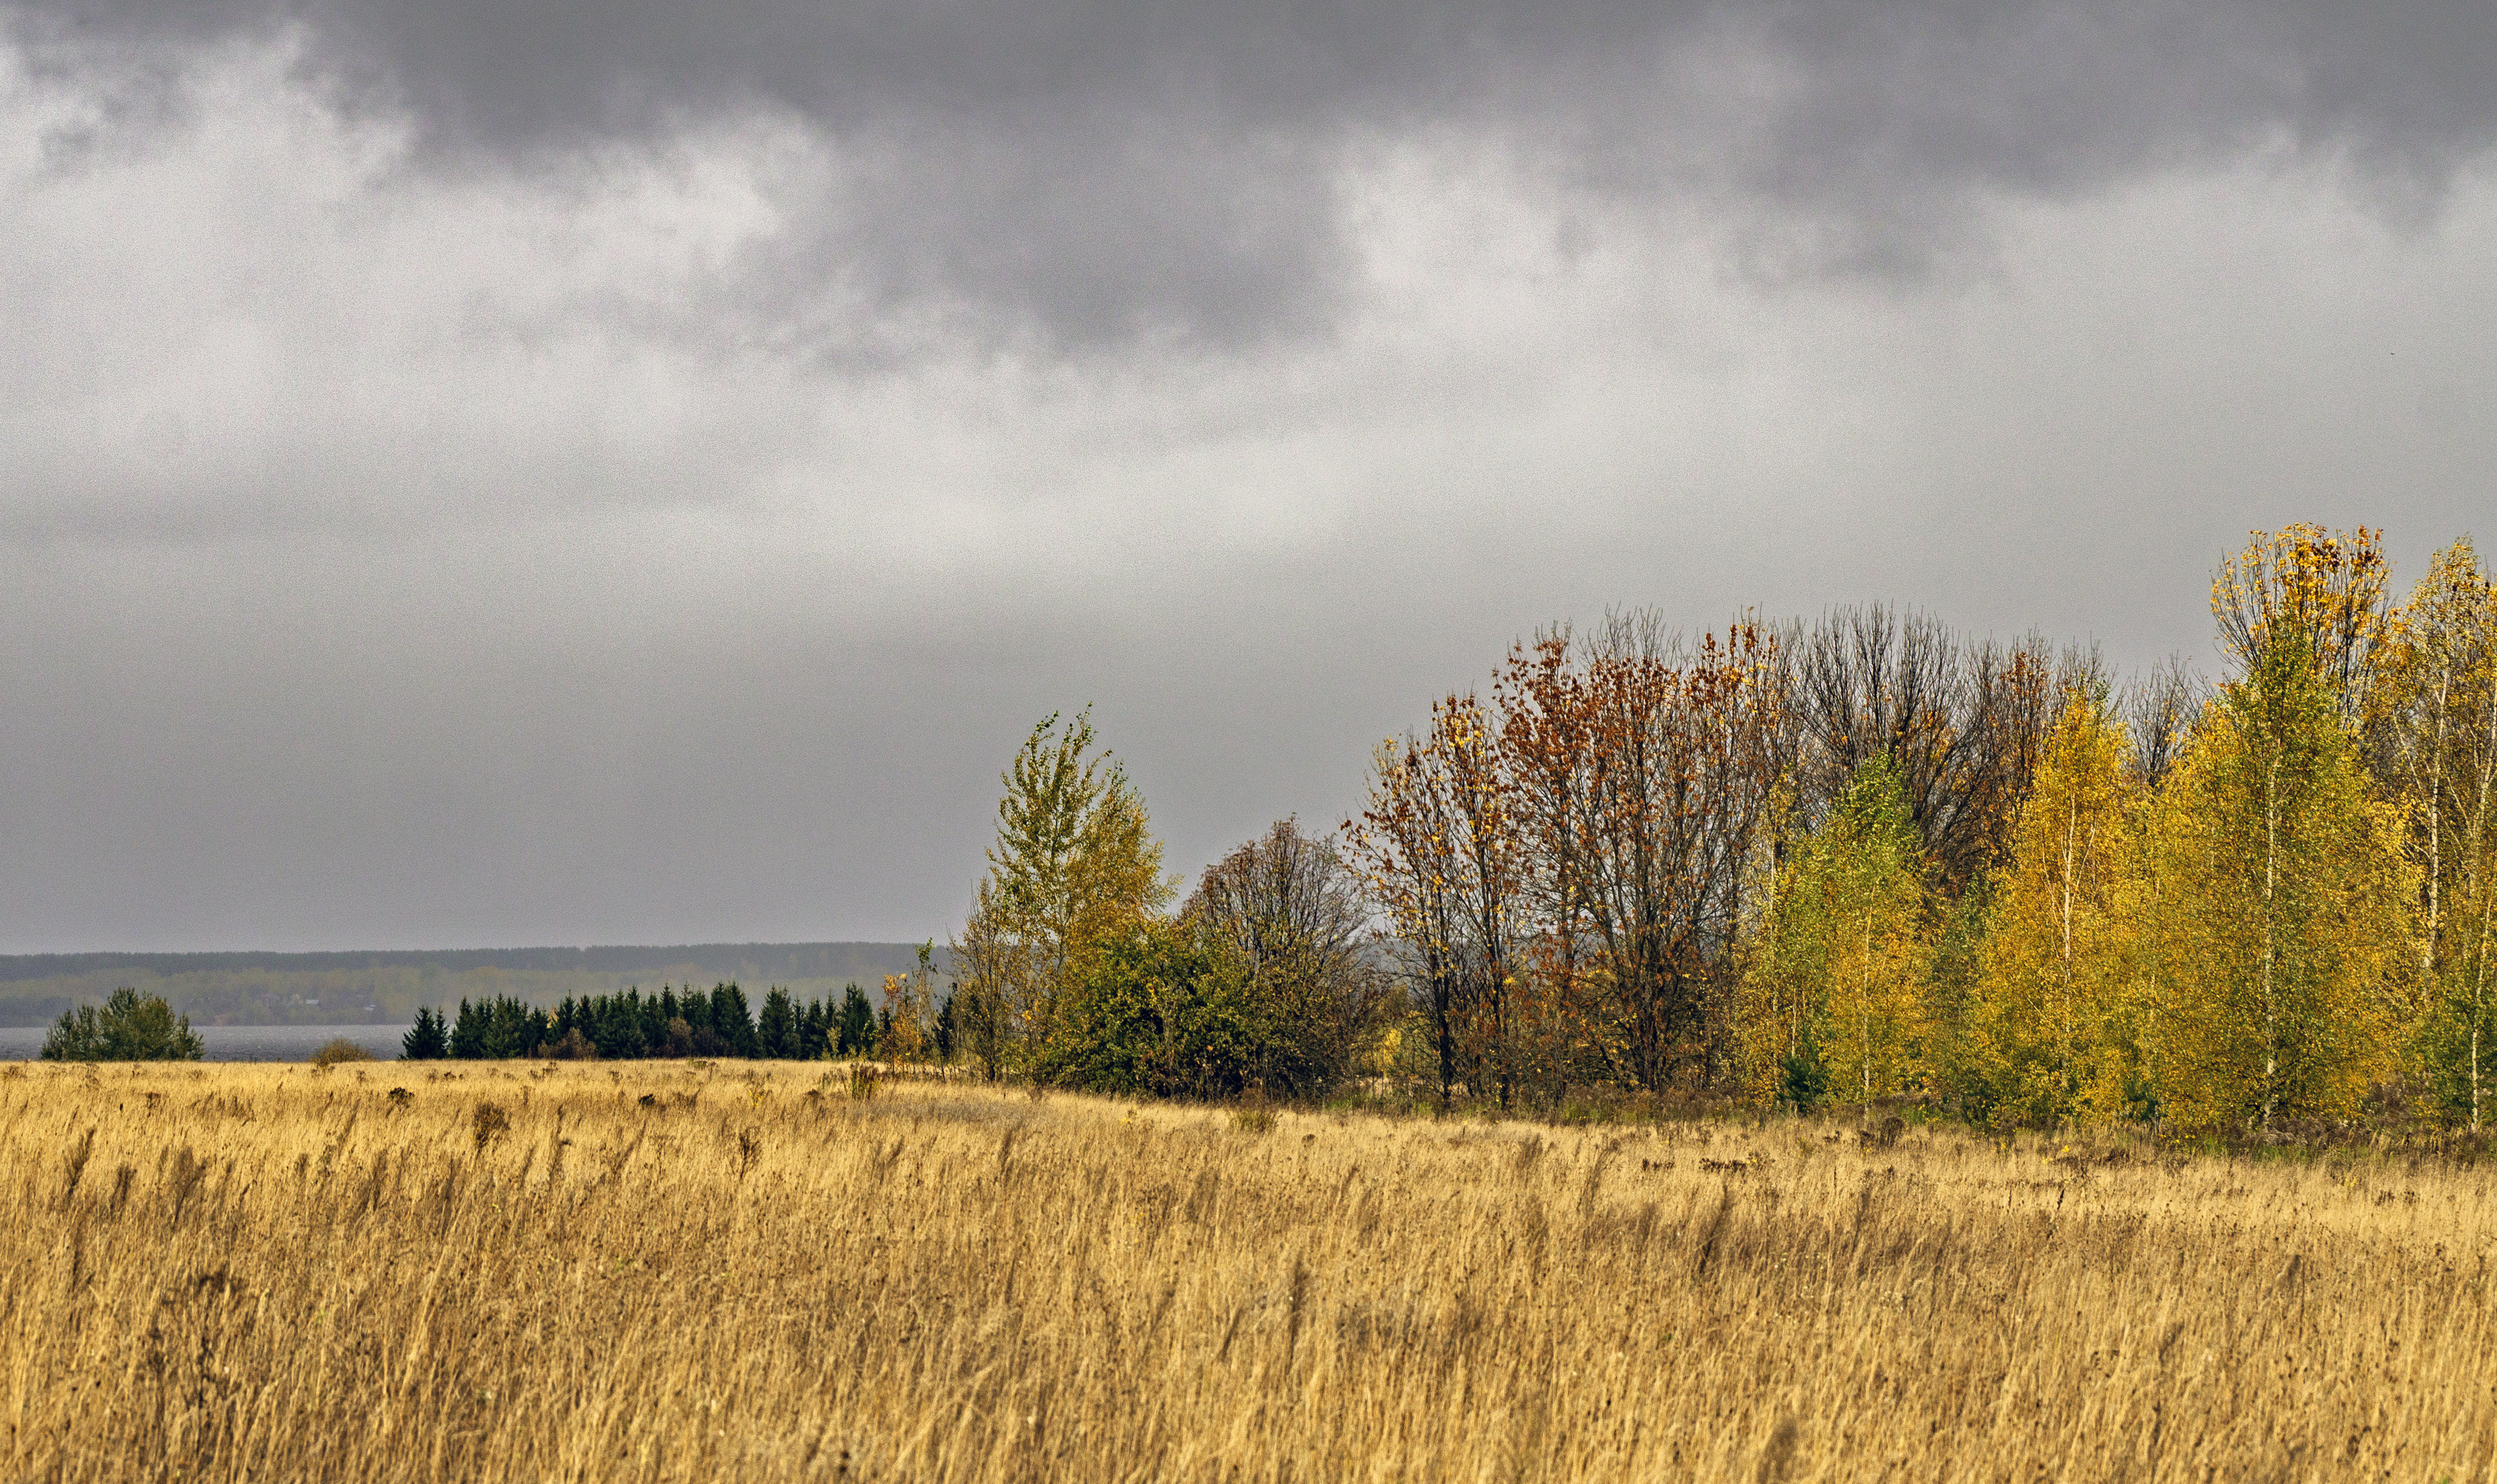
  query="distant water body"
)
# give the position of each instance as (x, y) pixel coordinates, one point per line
(239, 1043)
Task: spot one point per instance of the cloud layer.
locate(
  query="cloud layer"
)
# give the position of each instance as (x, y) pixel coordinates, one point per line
(633, 475)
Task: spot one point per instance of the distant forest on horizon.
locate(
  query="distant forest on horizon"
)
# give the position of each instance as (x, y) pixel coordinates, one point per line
(378, 986)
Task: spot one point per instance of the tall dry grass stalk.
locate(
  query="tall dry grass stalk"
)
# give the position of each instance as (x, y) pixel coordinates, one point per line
(658, 1273)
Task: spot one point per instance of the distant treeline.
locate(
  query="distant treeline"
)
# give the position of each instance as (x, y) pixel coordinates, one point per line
(254, 988)
(719, 1023)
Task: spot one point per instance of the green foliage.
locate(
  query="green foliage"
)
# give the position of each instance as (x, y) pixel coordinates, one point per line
(429, 1041)
(1803, 1072)
(1163, 1009)
(2458, 1046)
(1841, 959)
(855, 1030)
(775, 1030)
(1074, 865)
(496, 1029)
(2279, 911)
(732, 1025)
(628, 1025)
(126, 1029)
(1955, 1052)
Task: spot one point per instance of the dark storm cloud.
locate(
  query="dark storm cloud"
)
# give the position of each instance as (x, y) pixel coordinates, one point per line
(1108, 172)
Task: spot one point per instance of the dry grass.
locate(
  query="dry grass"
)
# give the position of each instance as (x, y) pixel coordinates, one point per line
(659, 1272)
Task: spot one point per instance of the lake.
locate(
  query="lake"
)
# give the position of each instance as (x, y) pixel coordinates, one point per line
(239, 1043)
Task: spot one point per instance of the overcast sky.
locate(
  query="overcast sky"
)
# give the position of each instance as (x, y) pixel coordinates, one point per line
(613, 471)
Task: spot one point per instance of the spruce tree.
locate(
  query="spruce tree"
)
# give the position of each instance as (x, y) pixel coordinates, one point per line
(693, 1007)
(427, 1041)
(731, 1023)
(468, 1034)
(127, 1027)
(776, 1033)
(857, 1023)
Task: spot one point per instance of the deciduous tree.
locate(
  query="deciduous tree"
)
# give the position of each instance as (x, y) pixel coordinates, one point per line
(2278, 912)
(2438, 746)
(1833, 991)
(2047, 1029)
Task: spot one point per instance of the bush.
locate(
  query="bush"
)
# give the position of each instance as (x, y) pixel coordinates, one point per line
(127, 1028)
(338, 1050)
(1166, 1010)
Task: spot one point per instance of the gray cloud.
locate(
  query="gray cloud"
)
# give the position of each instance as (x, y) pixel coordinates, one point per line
(1104, 174)
(634, 476)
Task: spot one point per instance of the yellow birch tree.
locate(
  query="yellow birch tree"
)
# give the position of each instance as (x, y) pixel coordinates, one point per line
(2280, 935)
(2049, 1038)
(2438, 746)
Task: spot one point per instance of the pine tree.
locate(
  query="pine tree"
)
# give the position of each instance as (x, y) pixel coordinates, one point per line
(693, 1009)
(732, 1025)
(427, 1041)
(468, 1034)
(776, 1032)
(126, 1027)
(856, 1029)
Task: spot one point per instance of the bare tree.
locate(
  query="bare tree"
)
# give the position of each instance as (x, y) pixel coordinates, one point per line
(2162, 708)
(1291, 912)
(1682, 758)
(1962, 722)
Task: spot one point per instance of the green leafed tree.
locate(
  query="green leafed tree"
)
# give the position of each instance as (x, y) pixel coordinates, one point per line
(1074, 867)
(127, 1027)
(1832, 997)
(2437, 742)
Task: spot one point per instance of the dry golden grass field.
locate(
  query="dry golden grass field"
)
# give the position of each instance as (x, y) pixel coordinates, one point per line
(664, 1272)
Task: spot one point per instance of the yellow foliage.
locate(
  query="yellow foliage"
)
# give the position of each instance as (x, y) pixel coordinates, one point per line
(2048, 1029)
(2275, 912)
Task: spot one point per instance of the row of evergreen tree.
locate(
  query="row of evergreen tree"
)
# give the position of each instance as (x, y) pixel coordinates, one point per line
(693, 1023)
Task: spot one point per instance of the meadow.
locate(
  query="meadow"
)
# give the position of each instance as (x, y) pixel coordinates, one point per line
(667, 1270)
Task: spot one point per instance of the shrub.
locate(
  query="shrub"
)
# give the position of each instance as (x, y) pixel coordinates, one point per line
(489, 1123)
(1165, 1009)
(127, 1028)
(339, 1049)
